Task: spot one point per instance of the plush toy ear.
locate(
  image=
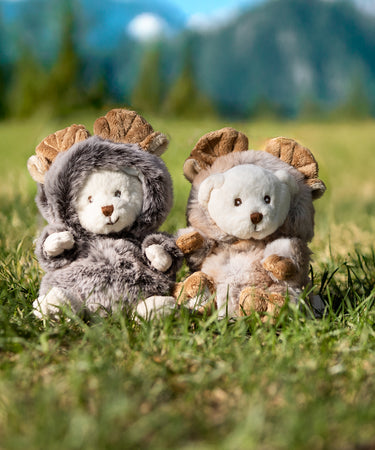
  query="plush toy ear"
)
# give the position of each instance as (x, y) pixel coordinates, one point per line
(285, 177)
(212, 182)
(133, 172)
(211, 146)
(191, 169)
(317, 187)
(37, 167)
(124, 126)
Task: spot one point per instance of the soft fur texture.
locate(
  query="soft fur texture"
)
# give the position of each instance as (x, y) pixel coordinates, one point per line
(248, 201)
(257, 256)
(101, 266)
(109, 201)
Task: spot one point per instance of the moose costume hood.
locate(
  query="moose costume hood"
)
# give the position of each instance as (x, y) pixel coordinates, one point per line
(57, 198)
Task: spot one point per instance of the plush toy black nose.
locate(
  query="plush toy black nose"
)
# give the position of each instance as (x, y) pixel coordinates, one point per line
(256, 217)
(107, 210)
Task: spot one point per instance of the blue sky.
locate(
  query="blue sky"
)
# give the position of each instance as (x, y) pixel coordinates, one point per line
(204, 15)
(190, 7)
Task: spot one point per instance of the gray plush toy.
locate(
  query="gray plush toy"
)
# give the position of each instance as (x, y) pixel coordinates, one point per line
(104, 197)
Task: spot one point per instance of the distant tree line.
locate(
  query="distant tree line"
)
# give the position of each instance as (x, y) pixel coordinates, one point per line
(30, 85)
(27, 85)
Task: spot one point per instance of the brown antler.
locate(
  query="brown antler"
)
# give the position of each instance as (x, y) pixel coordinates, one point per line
(212, 145)
(293, 153)
(51, 146)
(118, 125)
(122, 125)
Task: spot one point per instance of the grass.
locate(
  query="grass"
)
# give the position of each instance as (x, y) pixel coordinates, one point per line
(187, 381)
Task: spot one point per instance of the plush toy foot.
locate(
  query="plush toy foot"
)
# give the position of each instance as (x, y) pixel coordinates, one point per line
(282, 268)
(49, 305)
(156, 306)
(257, 300)
(196, 292)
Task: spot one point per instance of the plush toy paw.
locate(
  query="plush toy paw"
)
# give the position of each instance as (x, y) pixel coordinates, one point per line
(189, 242)
(282, 268)
(155, 306)
(56, 243)
(196, 292)
(159, 258)
(49, 305)
(257, 300)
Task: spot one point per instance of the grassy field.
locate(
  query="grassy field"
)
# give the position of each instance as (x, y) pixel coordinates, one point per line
(190, 382)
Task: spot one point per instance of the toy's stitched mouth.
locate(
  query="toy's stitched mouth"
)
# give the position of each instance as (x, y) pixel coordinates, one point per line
(112, 223)
(256, 228)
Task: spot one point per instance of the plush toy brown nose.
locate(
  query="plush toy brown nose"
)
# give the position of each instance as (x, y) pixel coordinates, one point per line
(107, 210)
(256, 217)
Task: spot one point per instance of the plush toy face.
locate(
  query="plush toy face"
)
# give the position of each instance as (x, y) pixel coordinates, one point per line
(109, 201)
(248, 201)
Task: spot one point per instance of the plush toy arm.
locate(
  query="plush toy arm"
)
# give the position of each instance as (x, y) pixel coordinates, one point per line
(194, 246)
(287, 259)
(57, 243)
(190, 241)
(281, 267)
(158, 257)
(55, 247)
(162, 252)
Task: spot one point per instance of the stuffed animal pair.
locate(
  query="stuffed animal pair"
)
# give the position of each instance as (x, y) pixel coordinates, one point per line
(104, 197)
(250, 217)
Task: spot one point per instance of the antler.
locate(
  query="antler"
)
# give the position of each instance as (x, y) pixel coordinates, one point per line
(293, 153)
(212, 145)
(118, 125)
(122, 125)
(51, 146)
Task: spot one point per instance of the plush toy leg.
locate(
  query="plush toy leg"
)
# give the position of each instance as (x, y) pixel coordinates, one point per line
(155, 306)
(51, 303)
(257, 300)
(196, 292)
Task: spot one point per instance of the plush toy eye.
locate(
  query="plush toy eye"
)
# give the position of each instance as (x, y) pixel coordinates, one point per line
(267, 199)
(118, 194)
(89, 198)
(237, 202)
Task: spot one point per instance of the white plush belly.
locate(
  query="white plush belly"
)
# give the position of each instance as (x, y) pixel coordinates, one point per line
(233, 267)
(232, 271)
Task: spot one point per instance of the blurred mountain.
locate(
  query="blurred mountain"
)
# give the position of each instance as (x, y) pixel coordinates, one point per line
(100, 24)
(281, 54)
(101, 36)
(107, 21)
(288, 52)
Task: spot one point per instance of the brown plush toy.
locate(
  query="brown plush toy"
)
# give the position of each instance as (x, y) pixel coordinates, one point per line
(250, 217)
